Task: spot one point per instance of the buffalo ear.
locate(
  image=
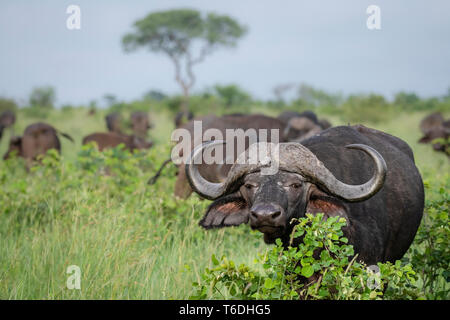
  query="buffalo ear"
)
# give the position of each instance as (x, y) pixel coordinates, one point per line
(320, 202)
(231, 210)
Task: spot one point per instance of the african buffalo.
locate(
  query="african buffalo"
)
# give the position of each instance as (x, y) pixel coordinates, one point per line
(301, 126)
(434, 127)
(37, 139)
(218, 172)
(7, 120)
(113, 122)
(431, 121)
(111, 139)
(363, 175)
(303, 129)
(140, 123)
(324, 124)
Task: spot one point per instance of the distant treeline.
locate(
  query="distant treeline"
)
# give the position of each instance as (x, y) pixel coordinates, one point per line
(231, 98)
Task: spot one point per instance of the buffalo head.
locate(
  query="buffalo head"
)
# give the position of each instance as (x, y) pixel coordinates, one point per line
(270, 201)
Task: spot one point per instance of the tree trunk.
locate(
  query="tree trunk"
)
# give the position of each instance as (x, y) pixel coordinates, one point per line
(185, 100)
(184, 86)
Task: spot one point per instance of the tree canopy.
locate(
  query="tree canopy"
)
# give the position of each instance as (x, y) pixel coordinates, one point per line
(185, 36)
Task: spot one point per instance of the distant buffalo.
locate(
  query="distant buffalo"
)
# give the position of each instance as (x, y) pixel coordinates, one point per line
(37, 139)
(434, 126)
(301, 126)
(431, 122)
(113, 122)
(105, 140)
(325, 124)
(7, 120)
(363, 175)
(140, 123)
(218, 172)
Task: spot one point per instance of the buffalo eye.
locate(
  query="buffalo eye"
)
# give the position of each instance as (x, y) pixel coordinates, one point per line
(249, 186)
(296, 185)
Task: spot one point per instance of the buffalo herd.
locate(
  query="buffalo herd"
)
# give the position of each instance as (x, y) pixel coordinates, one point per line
(363, 175)
(105, 140)
(40, 137)
(140, 124)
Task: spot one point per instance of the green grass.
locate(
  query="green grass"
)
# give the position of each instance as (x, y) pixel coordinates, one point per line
(131, 241)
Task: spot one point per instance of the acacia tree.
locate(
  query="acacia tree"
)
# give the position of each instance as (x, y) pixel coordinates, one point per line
(186, 37)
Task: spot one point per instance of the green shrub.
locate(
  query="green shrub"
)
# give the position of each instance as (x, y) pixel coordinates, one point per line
(323, 266)
(430, 254)
(7, 104)
(366, 108)
(232, 95)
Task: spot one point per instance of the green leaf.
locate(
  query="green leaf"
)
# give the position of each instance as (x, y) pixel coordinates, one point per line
(214, 260)
(269, 284)
(307, 271)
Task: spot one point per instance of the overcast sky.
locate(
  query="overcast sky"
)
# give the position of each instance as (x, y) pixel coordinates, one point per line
(322, 43)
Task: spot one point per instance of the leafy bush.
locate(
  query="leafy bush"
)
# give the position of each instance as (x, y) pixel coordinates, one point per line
(232, 95)
(7, 104)
(366, 108)
(407, 100)
(118, 163)
(323, 266)
(313, 97)
(430, 254)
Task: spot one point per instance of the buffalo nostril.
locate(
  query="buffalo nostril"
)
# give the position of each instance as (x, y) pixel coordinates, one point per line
(275, 214)
(258, 215)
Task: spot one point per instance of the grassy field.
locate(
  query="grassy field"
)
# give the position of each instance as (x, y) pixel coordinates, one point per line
(130, 240)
